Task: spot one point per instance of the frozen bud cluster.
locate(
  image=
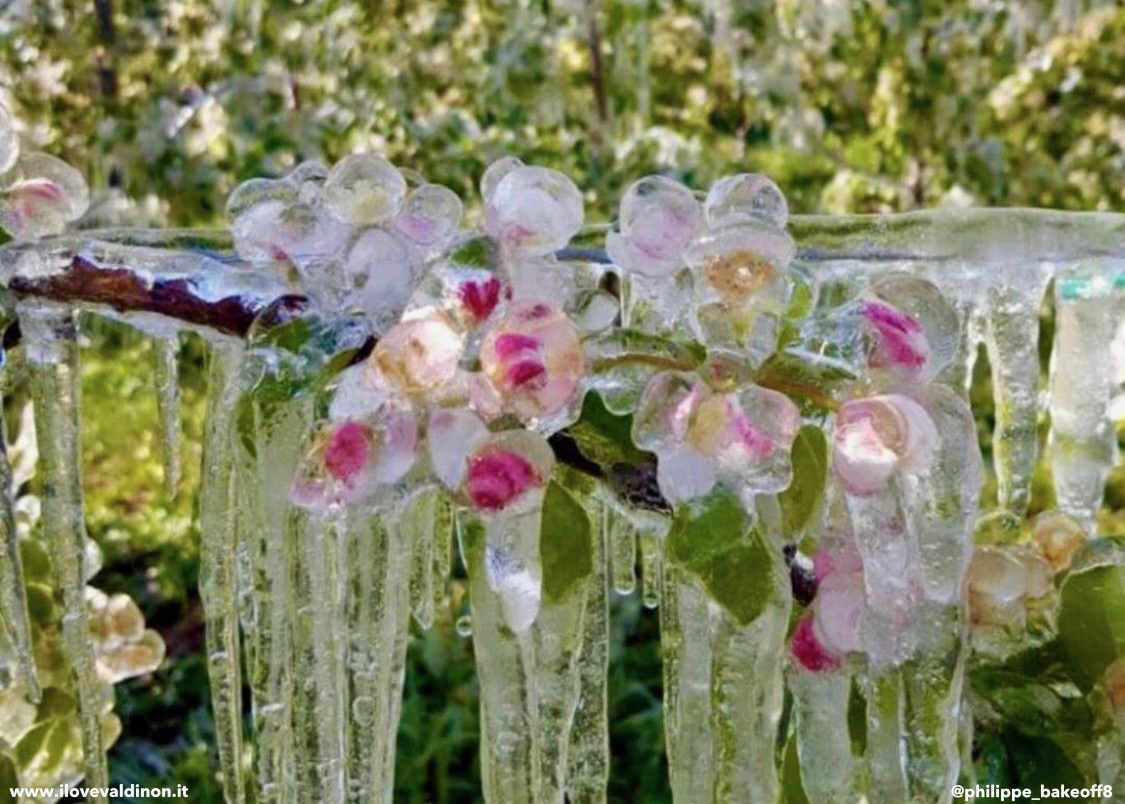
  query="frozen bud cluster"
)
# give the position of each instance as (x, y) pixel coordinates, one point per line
(357, 234)
(124, 647)
(1012, 597)
(39, 194)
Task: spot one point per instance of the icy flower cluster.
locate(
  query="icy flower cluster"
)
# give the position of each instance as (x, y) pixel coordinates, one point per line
(39, 194)
(357, 235)
(1012, 593)
(898, 442)
(717, 269)
(715, 272)
(486, 341)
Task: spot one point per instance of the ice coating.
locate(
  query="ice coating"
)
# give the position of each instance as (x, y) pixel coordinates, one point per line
(886, 612)
(42, 196)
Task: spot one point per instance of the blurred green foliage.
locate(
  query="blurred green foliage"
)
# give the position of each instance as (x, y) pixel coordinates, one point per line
(167, 104)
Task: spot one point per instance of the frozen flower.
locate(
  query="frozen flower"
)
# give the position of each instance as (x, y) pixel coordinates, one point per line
(746, 197)
(831, 629)
(879, 436)
(659, 219)
(419, 355)
(493, 471)
(742, 265)
(532, 211)
(45, 194)
(479, 296)
(497, 477)
(348, 461)
(533, 358)
(897, 339)
(380, 269)
(702, 437)
(364, 189)
(428, 218)
(1058, 538)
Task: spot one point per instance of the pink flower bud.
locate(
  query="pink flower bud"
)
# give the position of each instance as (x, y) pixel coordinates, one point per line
(879, 436)
(348, 451)
(808, 650)
(899, 340)
(497, 478)
(480, 297)
(533, 359)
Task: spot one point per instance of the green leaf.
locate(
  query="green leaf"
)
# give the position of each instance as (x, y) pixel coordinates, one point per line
(801, 501)
(565, 543)
(604, 437)
(711, 540)
(704, 529)
(1092, 620)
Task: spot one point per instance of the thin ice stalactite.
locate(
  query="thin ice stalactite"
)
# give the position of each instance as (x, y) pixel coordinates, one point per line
(271, 535)
(652, 562)
(422, 533)
(588, 759)
(322, 559)
(13, 598)
(509, 771)
(1081, 446)
(1011, 328)
(886, 765)
(685, 646)
(377, 627)
(166, 374)
(748, 663)
(621, 541)
(830, 773)
(52, 362)
(218, 563)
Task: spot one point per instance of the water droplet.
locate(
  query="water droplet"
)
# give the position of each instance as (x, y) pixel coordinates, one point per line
(464, 625)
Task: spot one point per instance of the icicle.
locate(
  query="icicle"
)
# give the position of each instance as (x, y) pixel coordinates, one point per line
(652, 561)
(321, 664)
(272, 535)
(829, 771)
(748, 685)
(378, 620)
(886, 765)
(621, 537)
(588, 761)
(1012, 339)
(52, 359)
(13, 600)
(1082, 439)
(423, 531)
(556, 677)
(166, 373)
(218, 563)
(685, 644)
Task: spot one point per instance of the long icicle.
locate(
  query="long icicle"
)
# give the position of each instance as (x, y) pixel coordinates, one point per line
(166, 353)
(588, 759)
(378, 617)
(748, 680)
(1012, 339)
(685, 644)
(13, 598)
(1082, 438)
(52, 360)
(271, 537)
(507, 696)
(218, 564)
